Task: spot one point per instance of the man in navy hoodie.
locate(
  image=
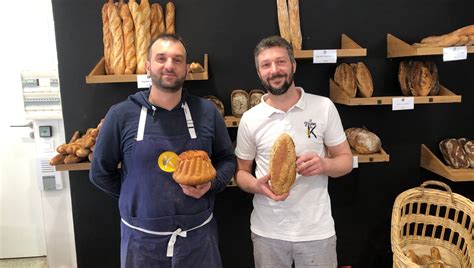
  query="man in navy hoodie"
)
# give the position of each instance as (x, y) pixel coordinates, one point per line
(164, 224)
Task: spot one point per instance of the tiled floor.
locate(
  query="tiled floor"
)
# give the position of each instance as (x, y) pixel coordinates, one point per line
(39, 262)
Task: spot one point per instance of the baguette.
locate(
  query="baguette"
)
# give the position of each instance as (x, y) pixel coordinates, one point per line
(129, 38)
(282, 165)
(154, 21)
(284, 20)
(170, 17)
(141, 44)
(295, 28)
(106, 38)
(161, 19)
(115, 27)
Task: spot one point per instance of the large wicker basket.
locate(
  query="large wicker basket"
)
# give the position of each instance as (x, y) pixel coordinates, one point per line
(423, 218)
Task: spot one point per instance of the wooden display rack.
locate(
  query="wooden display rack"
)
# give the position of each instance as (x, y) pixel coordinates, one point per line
(338, 95)
(398, 48)
(231, 121)
(97, 75)
(75, 166)
(349, 48)
(429, 161)
(382, 156)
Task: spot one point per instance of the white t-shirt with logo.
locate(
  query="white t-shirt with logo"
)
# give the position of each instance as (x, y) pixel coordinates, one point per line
(312, 122)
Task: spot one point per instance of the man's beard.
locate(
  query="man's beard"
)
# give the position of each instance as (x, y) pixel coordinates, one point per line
(278, 90)
(171, 87)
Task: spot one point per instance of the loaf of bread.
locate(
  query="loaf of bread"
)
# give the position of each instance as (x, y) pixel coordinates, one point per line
(128, 38)
(433, 69)
(403, 71)
(154, 21)
(453, 153)
(106, 38)
(295, 29)
(284, 20)
(363, 141)
(363, 77)
(239, 101)
(170, 17)
(195, 67)
(459, 37)
(344, 77)
(141, 34)
(218, 103)
(282, 167)
(420, 79)
(115, 28)
(469, 149)
(255, 97)
(194, 168)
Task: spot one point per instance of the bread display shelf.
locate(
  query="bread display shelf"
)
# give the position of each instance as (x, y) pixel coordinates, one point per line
(349, 48)
(431, 162)
(98, 76)
(231, 121)
(398, 48)
(71, 167)
(382, 156)
(337, 95)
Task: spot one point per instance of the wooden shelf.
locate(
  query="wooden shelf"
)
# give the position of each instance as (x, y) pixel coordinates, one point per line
(429, 161)
(349, 48)
(71, 167)
(231, 121)
(398, 48)
(97, 75)
(382, 156)
(338, 95)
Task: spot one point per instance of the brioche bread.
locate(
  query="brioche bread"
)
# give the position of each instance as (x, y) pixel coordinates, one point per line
(194, 168)
(282, 167)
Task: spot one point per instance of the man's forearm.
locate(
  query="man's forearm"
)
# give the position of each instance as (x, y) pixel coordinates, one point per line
(339, 166)
(246, 181)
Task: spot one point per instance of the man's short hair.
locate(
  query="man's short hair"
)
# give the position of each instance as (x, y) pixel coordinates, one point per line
(169, 37)
(273, 41)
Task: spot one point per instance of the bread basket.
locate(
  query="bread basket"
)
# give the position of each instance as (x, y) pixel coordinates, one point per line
(423, 218)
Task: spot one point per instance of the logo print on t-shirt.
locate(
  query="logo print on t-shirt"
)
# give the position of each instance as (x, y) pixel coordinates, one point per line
(310, 127)
(168, 161)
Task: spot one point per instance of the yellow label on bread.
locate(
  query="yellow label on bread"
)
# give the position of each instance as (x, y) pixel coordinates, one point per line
(168, 161)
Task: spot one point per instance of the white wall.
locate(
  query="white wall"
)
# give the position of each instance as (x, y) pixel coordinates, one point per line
(28, 43)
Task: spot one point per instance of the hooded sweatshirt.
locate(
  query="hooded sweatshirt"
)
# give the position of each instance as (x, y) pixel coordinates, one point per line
(119, 131)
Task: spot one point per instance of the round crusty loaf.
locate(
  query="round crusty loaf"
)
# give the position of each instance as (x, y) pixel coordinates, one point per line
(255, 97)
(239, 99)
(194, 168)
(403, 71)
(363, 79)
(282, 164)
(344, 77)
(363, 141)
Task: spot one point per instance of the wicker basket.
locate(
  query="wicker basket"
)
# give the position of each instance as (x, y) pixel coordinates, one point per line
(423, 218)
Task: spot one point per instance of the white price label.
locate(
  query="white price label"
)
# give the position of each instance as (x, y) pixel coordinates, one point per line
(143, 81)
(355, 162)
(325, 56)
(454, 53)
(403, 103)
(44, 82)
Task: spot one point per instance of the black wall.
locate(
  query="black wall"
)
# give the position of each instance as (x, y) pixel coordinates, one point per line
(228, 31)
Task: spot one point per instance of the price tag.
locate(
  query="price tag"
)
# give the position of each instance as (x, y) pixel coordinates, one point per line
(325, 56)
(143, 81)
(44, 82)
(454, 53)
(355, 162)
(404, 103)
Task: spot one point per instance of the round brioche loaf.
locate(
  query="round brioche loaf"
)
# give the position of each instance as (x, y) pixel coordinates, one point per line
(282, 164)
(193, 168)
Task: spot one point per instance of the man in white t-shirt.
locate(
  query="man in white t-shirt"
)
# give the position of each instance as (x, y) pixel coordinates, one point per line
(296, 227)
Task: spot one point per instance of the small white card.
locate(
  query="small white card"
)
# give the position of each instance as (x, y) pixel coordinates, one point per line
(355, 162)
(143, 81)
(44, 82)
(403, 103)
(454, 53)
(325, 56)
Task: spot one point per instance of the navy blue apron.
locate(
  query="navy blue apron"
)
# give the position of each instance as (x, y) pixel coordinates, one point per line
(166, 228)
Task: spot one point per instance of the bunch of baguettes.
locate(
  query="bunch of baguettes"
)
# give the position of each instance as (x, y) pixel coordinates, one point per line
(127, 31)
(289, 22)
(461, 37)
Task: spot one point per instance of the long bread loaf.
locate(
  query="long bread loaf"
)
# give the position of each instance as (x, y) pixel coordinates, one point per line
(170, 17)
(115, 27)
(128, 38)
(106, 38)
(295, 29)
(283, 20)
(282, 164)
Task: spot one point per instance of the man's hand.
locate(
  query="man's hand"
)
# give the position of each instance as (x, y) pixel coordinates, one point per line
(310, 164)
(264, 189)
(196, 191)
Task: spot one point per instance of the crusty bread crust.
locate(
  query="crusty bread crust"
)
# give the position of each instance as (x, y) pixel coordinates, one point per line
(282, 164)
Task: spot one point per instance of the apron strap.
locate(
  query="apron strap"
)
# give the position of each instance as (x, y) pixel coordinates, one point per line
(174, 235)
(187, 114)
(189, 120)
(141, 124)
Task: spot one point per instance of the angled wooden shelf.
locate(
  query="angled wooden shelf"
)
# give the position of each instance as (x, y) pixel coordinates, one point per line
(431, 162)
(349, 48)
(72, 167)
(231, 121)
(398, 48)
(98, 76)
(382, 156)
(337, 95)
